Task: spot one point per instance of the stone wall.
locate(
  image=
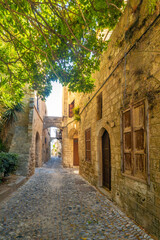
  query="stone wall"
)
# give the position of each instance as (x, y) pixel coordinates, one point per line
(129, 73)
(46, 145)
(29, 140)
(40, 143)
(20, 143)
(70, 128)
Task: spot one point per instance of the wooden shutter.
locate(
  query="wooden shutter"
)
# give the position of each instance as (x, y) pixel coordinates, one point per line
(127, 143)
(71, 106)
(134, 155)
(139, 140)
(75, 152)
(88, 144)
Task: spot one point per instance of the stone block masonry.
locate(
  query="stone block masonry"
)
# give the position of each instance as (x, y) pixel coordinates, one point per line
(30, 141)
(21, 140)
(128, 76)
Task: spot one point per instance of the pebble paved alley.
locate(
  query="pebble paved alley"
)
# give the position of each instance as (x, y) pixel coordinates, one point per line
(57, 203)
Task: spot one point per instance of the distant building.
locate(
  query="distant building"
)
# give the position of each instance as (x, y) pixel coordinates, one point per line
(56, 149)
(70, 154)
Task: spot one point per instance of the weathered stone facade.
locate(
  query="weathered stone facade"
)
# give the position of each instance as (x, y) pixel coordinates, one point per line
(70, 129)
(40, 143)
(29, 140)
(129, 74)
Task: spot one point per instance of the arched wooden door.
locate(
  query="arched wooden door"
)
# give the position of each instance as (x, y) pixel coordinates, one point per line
(106, 160)
(37, 149)
(75, 152)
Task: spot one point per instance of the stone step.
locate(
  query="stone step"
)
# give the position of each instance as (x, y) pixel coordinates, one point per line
(7, 188)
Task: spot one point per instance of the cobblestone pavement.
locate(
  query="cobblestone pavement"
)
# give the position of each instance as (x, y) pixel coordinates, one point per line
(56, 203)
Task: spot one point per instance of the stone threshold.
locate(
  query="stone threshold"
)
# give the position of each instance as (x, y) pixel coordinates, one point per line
(105, 192)
(11, 184)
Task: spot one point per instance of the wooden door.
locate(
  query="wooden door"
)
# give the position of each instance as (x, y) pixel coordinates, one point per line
(75, 152)
(106, 160)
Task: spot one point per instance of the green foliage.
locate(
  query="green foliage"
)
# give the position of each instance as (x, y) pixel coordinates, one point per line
(2, 169)
(8, 163)
(44, 41)
(9, 115)
(59, 154)
(54, 146)
(2, 147)
(76, 111)
(152, 5)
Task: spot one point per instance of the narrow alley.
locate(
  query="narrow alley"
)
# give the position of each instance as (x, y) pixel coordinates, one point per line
(57, 203)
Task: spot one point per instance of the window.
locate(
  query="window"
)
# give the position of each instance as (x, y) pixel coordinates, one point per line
(37, 103)
(134, 157)
(71, 106)
(88, 144)
(99, 106)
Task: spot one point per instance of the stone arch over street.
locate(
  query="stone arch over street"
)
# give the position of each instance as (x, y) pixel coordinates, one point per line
(104, 157)
(56, 123)
(52, 122)
(37, 149)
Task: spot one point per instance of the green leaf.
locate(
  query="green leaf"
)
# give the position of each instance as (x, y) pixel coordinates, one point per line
(43, 42)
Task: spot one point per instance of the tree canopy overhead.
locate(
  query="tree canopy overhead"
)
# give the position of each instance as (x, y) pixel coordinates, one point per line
(49, 40)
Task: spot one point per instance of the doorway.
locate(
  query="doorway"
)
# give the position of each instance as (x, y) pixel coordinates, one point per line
(75, 152)
(37, 150)
(106, 161)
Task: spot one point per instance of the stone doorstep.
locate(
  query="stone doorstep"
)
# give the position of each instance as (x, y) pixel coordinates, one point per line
(105, 192)
(7, 189)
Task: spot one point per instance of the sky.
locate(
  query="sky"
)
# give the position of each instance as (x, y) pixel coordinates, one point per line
(54, 101)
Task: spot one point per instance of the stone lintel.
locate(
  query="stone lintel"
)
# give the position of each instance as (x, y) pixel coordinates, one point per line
(52, 122)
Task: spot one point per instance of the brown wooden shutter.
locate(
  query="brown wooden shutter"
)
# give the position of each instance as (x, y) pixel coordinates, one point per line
(88, 144)
(134, 155)
(139, 140)
(127, 143)
(71, 106)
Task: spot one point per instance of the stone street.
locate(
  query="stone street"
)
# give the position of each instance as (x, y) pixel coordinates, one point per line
(57, 203)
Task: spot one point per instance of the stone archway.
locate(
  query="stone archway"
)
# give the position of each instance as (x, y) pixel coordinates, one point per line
(103, 135)
(106, 161)
(37, 149)
(73, 133)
